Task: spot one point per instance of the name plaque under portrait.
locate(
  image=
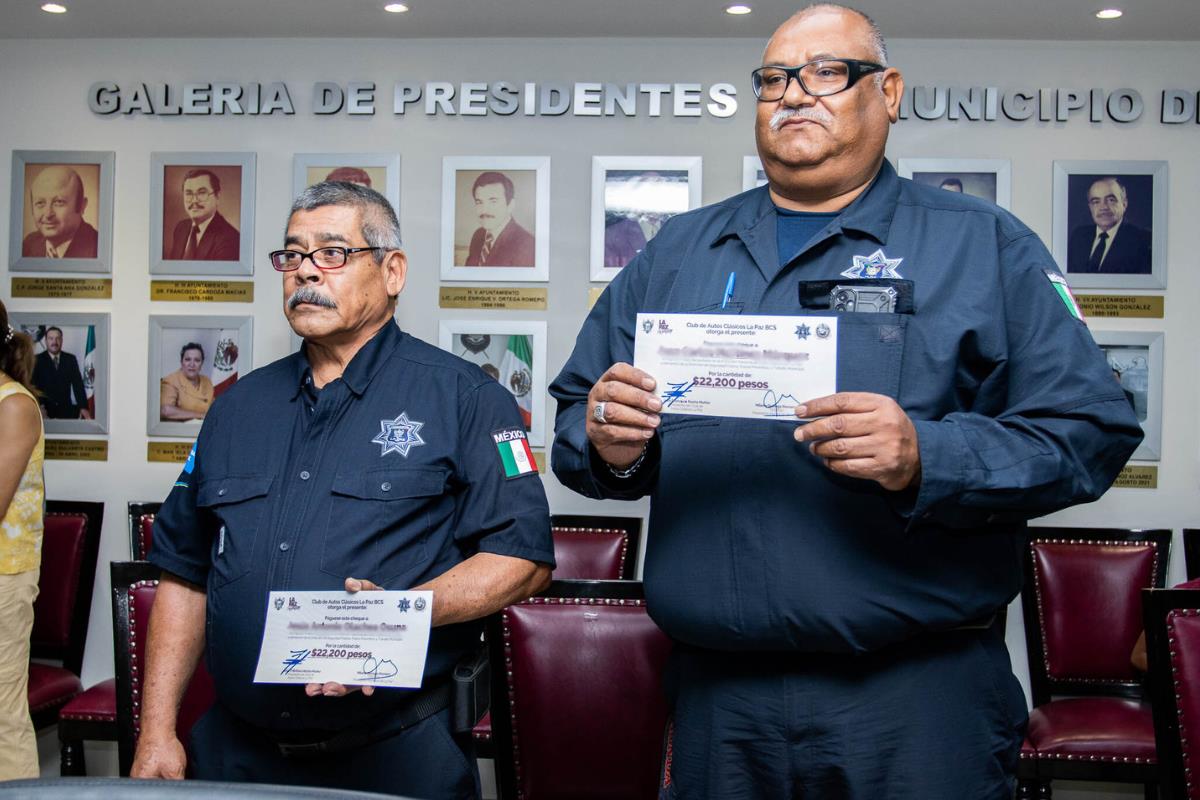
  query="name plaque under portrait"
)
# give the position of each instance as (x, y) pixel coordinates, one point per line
(63, 288)
(77, 449)
(168, 452)
(594, 293)
(1137, 478)
(1129, 306)
(495, 297)
(203, 291)
(539, 458)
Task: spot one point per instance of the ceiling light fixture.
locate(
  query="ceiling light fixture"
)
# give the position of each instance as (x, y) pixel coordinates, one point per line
(54, 8)
(1109, 13)
(738, 10)
(396, 8)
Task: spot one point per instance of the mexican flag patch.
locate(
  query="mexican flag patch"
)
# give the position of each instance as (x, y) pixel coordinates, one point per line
(1064, 293)
(514, 451)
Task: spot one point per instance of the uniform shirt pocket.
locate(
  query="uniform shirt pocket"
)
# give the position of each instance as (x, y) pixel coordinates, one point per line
(871, 352)
(238, 503)
(379, 523)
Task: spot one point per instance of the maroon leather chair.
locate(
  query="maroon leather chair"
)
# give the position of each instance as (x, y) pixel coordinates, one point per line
(595, 548)
(1172, 619)
(141, 528)
(92, 714)
(586, 548)
(577, 695)
(70, 544)
(134, 586)
(1082, 607)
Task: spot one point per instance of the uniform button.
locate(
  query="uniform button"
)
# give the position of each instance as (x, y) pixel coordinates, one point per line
(387, 487)
(285, 715)
(305, 475)
(221, 492)
(284, 546)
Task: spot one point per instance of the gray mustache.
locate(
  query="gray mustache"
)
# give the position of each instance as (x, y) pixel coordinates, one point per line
(307, 294)
(782, 115)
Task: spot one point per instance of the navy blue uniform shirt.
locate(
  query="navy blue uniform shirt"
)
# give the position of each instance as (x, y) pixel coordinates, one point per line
(389, 473)
(753, 543)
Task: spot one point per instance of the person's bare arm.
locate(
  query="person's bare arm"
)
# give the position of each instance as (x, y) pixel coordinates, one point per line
(174, 646)
(178, 414)
(20, 426)
(481, 585)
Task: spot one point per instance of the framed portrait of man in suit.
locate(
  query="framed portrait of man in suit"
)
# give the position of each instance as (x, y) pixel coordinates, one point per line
(193, 361)
(986, 178)
(378, 171)
(495, 218)
(1136, 360)
(1110, 223)
(70, 368)
(61, 211)
(202, 214)
(632, 198)
(511, 352)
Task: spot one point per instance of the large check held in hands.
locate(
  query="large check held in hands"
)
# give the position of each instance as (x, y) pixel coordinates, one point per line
(730, 365)
(361, 639)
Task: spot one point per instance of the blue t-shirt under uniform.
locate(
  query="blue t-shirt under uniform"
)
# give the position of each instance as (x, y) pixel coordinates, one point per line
(794, 230)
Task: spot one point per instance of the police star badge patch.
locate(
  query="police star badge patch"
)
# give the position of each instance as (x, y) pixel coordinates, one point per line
(876, 265)
(399, 435)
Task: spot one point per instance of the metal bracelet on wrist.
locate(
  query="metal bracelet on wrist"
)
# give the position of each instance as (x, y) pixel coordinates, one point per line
(632, 468)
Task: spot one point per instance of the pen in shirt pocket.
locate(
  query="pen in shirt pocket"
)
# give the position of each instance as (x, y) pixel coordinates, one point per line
(729, 289)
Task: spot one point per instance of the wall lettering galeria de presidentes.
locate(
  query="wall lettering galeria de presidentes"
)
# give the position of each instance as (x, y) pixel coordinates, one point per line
(597, 99)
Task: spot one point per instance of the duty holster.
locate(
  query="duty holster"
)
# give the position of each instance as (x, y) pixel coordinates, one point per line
(472, 690)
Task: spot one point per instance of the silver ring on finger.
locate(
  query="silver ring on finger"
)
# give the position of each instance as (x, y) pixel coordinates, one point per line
(598, 413)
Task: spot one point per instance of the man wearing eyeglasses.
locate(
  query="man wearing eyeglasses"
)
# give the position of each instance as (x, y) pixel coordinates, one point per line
(205, 235)
(368, 459)
(836, 588)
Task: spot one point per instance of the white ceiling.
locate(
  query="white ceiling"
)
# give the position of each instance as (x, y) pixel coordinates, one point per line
(1177, 20)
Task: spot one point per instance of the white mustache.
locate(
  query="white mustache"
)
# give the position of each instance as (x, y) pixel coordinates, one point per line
(307, 294)
(783, 114)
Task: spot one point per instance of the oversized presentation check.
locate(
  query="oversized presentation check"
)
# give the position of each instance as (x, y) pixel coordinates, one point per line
(730, 365)
(366, 638)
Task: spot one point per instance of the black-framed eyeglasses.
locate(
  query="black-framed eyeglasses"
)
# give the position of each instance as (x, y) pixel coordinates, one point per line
(817, 78)
(322, 257)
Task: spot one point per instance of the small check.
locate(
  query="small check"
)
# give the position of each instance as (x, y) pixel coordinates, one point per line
(730, 365)
(361, 639)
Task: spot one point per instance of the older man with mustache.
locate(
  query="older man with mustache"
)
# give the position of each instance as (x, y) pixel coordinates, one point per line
(205, 235)
(367, 460)
(835, 587)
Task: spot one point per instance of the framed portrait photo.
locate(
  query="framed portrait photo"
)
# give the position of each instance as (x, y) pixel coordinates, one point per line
(378, 171)
(632, 196)
(986, 178)
(514, 353)
(496, 218)
(61, 211)
(1136, 359)
(193, 361)
(202, 214)
(1110, 223)
(753, 174)
(70, 368)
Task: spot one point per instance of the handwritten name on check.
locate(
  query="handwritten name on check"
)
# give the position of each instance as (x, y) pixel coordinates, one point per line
(730, 365)
(361, 639)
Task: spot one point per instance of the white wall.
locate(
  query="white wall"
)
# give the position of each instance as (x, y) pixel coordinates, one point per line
(42, 97)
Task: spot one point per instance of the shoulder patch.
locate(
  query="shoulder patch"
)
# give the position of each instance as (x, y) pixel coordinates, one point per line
(1064, 293)
(515, 456)
(190, 464)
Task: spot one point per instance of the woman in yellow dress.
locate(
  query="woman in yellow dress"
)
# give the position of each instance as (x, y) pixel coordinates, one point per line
(22, 504)
(185, 393)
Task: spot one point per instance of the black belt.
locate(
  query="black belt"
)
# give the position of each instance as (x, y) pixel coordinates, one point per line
(422, 705)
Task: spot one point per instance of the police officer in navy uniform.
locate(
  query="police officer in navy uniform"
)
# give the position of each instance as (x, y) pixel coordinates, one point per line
(367, 460)
(834, 588)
